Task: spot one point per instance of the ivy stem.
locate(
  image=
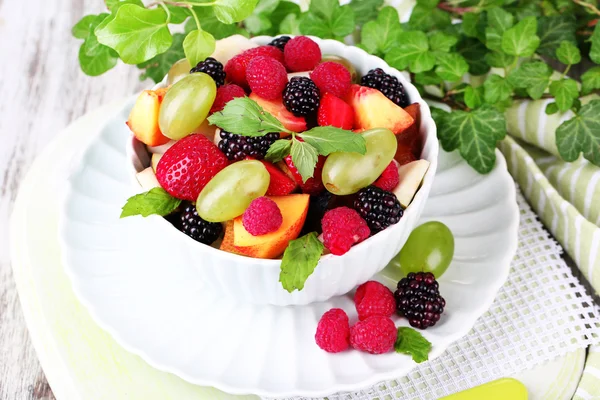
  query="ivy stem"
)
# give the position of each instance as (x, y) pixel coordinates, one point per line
(589, 6)
(191, 8)
(162, 4)
(456, 10)
(182, 3)
(566, 71)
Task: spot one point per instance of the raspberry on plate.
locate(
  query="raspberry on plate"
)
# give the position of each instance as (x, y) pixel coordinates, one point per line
(389, 178)
(418, 299)
(372, 298)
(266, 77)
(343, 227)
(188, 165)
(262, 216)
(301, 54)
(336, 112)
(378, 207)
(332, 77)
(333, 331)
(225, 94)
(375, 335)
(236, 67)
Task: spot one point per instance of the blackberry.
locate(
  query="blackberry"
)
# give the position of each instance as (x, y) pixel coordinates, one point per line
(237, 147)
(386, 84)
(301, 96)
(418, 299)
(280, 42)
(190, 223)
(378, 207)
(211, 67)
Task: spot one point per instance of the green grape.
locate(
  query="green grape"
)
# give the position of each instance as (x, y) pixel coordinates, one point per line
(345, 62)
(186, 105)
(347, 173)
(178, 71)
(429, 248)
(230, 192)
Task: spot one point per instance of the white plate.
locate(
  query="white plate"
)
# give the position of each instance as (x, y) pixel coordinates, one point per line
(160, 311)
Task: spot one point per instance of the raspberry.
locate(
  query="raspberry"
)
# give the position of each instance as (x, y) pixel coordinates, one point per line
(387, 84)
(312, 185)
(236, 67)
(418, 299)
(301, 96)
(375, 335)
(333, 331)
(266, 77)
(332, 77)
(190, 223)
(342, 228)
(280, 42)
(389, 178)
(225, 94)
(378, 207)
(372, 298)
(188, 165)
(262, 216)
(301, 54)
(213, 68)
(237, 147)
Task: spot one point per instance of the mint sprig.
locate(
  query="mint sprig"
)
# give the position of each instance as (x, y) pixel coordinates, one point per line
(299, 261)
(412, 343)
(153, 202)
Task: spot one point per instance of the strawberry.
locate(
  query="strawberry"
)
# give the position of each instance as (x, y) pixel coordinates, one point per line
(188, 165)
(334, 111)
(280, 184)
(410, 137)
(404, 154)
(313, 185)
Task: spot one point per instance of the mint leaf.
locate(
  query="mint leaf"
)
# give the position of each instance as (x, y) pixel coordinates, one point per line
(156, 201)
(496, 89)
(551, 108)
(412, 51)
(304, 157)
(198, 45)
(328, 139)
(440, 41)
(521, 40)
(595, 49)
(474, 96)
(136, 33)
(365, 10)
(451, 67)
(244, 116)
(157, 67)
(553, 30)
(533, 76)
(474, 53)
(278, 150)
(411, 342)
(590, 80)
(568, 53)
(499, 59)
(581, 134)
(565, 91)
(231, 11)
(299, 261)
(475, 134)
(381, 35)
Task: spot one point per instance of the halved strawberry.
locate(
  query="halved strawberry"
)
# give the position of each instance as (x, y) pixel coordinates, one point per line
(312, 185)
(278, 110)
(280, 184)
(334, 111)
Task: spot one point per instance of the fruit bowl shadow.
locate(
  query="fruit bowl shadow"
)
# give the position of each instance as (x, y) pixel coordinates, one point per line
(256, 280)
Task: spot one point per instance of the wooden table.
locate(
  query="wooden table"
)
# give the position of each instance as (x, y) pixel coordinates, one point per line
(42, 90)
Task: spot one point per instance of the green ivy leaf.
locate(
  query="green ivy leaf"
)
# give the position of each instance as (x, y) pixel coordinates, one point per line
(113, 5)
(428, 78)
(565, 91)
(533, 76)
(178, 14)
(98, 62)
(551, 108)
(595, 49)
(475, 54)
(440, 41)
(211, 24)
(424, 18)
(136, 33)
(290, 25)
(521, 40)
(496, 89)
(581, 134)
(153, 202)
(157, 67)
(286, 10)
(499, 59)
(553, 30)
(231, 11)
(300, 259)
(84, 26)
(365, 10)
(381, 35)
(474, 96)
(499, 19)
(412, 51)
(304, 157)
(328, 139)
(278, 150)
(567, 53)
(323, 8)
(342, 21)
(451, 67)
(474, 25)
(198, 45)
(257, 23)
(337, 22)
(590, 80)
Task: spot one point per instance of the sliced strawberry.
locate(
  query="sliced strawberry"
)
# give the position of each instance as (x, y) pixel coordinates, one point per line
(312, 185)
(410, 136)
(280, 184)
(334, 111)
(278, 110)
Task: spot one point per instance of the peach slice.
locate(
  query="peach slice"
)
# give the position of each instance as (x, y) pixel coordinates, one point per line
(143, 118)
(278, 110)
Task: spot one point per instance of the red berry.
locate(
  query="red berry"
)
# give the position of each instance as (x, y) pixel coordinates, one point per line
(342, 228)
(372, 298)
(301, 54)
(333, 331)
(335, 112)
(225, 94)
(266, 77)
(236, 67)
(312, 185)
(188, 165)
(389, 178)
(262, 216)
(375, 335)
(280, 184)
(332, 77)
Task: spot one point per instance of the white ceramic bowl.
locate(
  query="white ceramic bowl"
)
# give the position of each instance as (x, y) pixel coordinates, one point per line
(256, 280)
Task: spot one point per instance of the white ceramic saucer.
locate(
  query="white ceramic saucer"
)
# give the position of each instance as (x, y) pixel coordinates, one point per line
(123, 271)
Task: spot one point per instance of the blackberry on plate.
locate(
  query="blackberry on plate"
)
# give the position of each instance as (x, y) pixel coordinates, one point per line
(386, 84)
(237, 147)
(418, 299)
(190, 223)
(301, 96)
(280, 42)
(211, 67)
(378, 207)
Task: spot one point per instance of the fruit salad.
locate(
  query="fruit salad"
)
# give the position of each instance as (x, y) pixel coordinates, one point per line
(264, 151)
